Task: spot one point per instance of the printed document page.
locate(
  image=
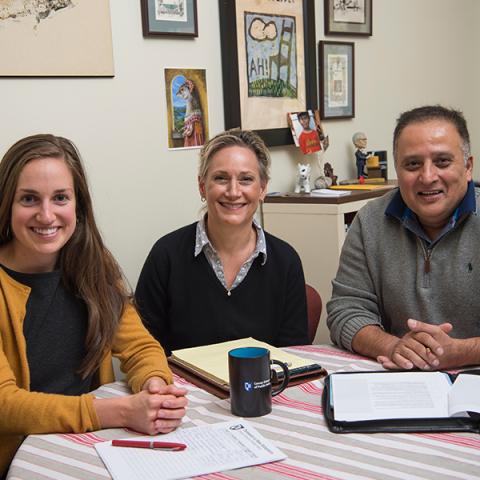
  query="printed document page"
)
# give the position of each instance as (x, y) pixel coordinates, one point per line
(377, 396)
(210, 448)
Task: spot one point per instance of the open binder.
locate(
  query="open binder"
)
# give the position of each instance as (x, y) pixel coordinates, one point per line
(470, 423)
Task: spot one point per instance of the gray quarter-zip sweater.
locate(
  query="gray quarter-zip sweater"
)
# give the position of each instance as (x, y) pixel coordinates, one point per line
(388, 273)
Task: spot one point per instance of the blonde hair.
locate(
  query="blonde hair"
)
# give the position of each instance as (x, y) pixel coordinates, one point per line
(240, 138)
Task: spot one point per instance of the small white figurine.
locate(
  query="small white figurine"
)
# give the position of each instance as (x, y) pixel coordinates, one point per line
(303, 178)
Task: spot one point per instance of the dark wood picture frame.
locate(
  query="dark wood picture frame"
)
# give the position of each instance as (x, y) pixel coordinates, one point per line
(153, 27)
(333, 27)
(230, 70)
(329, 86)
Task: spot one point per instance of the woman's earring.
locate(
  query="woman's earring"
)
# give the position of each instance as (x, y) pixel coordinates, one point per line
(203, 199)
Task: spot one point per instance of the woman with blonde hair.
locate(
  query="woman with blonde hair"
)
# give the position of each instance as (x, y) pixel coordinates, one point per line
(64, 310)
(224, 278)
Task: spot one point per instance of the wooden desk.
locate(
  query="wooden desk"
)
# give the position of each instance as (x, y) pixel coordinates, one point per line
(296, 426)
(316, 228)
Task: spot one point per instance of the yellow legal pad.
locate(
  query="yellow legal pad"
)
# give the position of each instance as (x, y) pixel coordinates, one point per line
(211, 361)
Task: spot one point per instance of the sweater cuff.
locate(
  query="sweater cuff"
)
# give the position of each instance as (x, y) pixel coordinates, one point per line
(352, 327)
(137, 384)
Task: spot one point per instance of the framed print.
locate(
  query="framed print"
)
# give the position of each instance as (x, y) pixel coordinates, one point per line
(62, 38)
(169, 17)
(269, 66)
(348, 17)
(337, 79)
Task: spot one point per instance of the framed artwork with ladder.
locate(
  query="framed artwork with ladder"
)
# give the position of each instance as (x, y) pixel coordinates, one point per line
(269, 65)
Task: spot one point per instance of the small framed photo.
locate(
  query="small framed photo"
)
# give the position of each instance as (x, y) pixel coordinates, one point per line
(348, 17)
(337, 79)
(169, 17)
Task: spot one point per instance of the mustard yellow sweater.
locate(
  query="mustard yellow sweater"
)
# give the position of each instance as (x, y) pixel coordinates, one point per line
(23, 412)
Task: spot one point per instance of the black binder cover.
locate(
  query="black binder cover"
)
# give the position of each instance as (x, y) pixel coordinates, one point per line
(402, 425)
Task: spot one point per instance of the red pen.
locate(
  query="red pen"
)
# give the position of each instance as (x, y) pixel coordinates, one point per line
(174, 447)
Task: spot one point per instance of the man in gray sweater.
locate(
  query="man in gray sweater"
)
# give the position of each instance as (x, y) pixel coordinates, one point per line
(407, 288)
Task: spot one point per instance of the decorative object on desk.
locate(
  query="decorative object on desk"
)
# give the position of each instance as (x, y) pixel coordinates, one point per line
(169, 17)
(377, 166)
(250, 373)
(337, 81)
(269, 67)
(359, 140)
(187, 107)
(303, 178)
(328, 170)
(62, 38)
(348, 17)
(322, 182)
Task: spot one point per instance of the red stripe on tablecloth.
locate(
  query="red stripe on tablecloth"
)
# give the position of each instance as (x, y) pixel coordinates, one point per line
(216, 476)
(310, 388)
(86, 439)
(453, 439)
(335, 353)
(282, 399)
(294, 472)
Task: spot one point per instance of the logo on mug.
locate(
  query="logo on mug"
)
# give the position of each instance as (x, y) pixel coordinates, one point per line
(248, 386)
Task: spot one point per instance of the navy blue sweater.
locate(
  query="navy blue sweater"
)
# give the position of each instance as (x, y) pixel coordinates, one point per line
(183, 304)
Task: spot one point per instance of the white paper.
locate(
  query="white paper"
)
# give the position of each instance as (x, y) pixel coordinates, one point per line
(210, 448)
(465, 395)
(325, 192)
(375, 396)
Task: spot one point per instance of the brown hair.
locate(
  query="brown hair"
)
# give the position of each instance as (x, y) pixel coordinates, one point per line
(240, 138)
(88, 269)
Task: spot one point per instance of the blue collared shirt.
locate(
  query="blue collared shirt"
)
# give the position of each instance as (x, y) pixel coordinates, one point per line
(399, 210)
(202, 243)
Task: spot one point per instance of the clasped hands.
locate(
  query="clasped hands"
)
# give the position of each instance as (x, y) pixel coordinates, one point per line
(425, 346)
(158, 408)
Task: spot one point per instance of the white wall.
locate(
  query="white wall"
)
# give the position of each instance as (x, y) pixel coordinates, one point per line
(422, 51)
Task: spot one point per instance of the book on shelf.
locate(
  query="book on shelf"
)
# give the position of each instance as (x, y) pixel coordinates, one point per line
(210, 362)
(402, 401)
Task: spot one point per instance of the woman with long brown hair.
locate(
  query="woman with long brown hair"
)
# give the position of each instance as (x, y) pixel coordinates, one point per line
(65, 309)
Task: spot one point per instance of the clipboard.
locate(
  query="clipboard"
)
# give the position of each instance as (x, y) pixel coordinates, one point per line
(401, 425)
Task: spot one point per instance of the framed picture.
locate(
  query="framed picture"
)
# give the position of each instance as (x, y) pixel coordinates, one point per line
(337, 79)
(269, 65)
(169, 17)
(348, 17)
(56, 39)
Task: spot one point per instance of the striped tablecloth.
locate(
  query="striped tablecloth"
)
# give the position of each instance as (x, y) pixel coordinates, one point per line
(297, 427)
